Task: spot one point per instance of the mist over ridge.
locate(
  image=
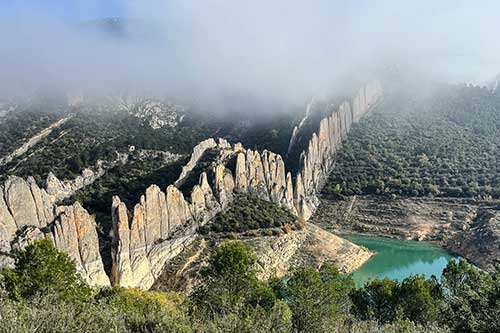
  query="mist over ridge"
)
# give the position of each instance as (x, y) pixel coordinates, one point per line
(284, 51)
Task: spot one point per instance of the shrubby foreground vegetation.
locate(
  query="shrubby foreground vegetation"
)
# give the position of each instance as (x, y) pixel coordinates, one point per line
(442, 144)
(43, 293)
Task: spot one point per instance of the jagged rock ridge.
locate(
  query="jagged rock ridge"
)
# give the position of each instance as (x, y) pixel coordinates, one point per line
(162, 224)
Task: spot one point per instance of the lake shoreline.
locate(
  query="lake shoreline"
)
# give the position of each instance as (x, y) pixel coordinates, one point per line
(456, 225)
(398, 259)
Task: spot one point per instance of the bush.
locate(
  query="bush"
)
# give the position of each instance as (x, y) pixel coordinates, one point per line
(147, 311)
(40, 269)
(319, 300)
(49, 314)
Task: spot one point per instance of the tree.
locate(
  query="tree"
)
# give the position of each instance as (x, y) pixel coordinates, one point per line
(229, 282)
(376, 300)
(419, 299)
(319, 300)
(40, 269)
(148, 311)
(472, 298)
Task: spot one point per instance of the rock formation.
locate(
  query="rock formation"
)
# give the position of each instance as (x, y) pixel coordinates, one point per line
(64, 189)
(296, 129)
(317, 159)
(28, 212)
(163, 224)
(198, 152)
(309, 247)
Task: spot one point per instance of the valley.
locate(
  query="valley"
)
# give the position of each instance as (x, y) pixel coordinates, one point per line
(422, 167)
(368, 195)
(151, 213)
(249, 166)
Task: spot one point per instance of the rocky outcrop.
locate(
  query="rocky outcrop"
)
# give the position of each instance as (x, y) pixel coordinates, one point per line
(28, 212)
(296, 129)
(64, 189)
(224, 185)
(480, 243)
(156, 113)
(317, 159)
(74, 232)
(163, 224)
(198, 152)
(310, 247)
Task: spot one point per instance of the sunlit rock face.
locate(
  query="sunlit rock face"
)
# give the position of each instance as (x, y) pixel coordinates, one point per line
(28, 212)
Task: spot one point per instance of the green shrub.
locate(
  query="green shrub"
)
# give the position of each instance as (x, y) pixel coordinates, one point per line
(319, 300)
(148, 311)
(40, 269)
(50, 314)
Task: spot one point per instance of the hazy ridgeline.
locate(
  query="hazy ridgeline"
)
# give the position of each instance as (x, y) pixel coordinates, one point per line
(284, 51)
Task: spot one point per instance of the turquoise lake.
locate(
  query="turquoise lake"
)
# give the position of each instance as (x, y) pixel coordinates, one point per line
(397, 259)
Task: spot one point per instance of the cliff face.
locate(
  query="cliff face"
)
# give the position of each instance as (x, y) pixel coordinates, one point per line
(28, 212)
(163, 223)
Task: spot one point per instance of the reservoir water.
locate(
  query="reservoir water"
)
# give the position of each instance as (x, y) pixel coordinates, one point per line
(397, 259)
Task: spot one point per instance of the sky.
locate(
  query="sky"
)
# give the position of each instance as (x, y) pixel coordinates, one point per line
(284, 49)
(66, 10)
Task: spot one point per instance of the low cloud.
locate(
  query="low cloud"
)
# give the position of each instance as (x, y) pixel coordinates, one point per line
(279, 50)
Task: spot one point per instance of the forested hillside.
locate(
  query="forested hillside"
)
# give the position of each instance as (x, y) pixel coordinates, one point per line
(445, 143)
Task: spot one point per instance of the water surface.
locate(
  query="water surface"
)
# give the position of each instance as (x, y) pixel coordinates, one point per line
(397, 259)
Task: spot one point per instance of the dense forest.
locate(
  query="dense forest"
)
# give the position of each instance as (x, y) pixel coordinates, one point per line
(22, 124)
(44, 293)
(94, 134)
(443, 143)
(99, 132)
